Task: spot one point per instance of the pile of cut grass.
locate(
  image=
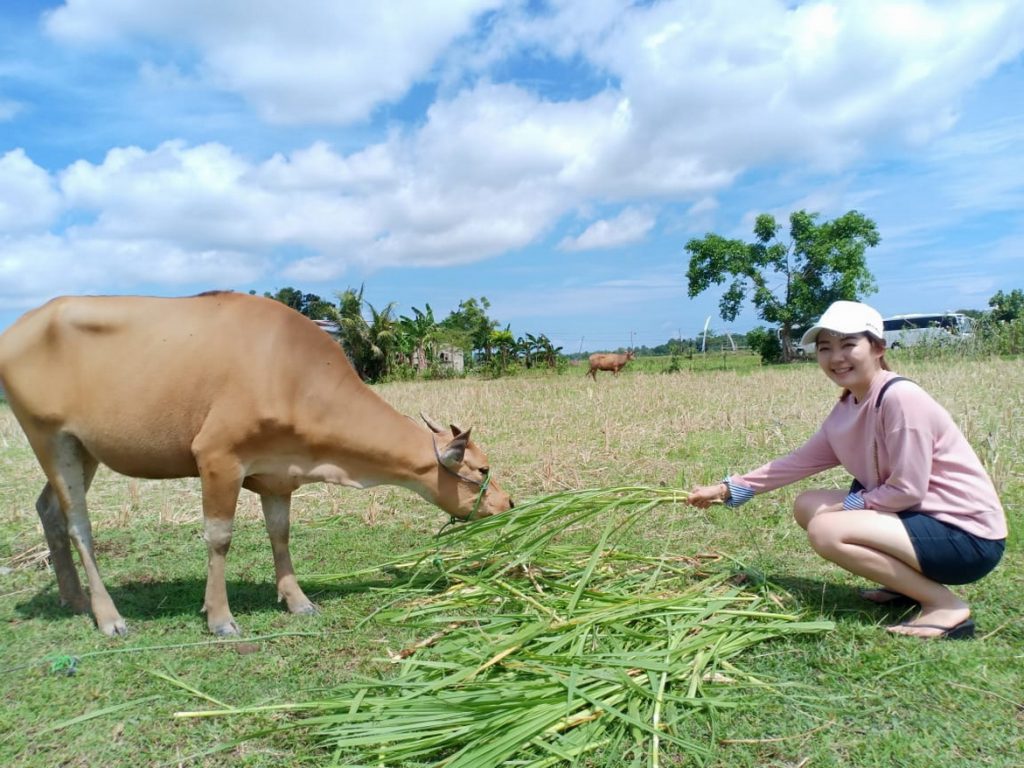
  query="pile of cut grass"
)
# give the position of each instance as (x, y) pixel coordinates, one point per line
(538, 651)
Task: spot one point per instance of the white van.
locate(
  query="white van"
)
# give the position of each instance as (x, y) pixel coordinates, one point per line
(939, 327)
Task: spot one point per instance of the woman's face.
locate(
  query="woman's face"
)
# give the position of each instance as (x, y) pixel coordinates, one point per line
(850, 361)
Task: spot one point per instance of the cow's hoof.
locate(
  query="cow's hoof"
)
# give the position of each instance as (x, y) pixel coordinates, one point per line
(304, 609)
(227, 629)
(76, 602)
(114, 628)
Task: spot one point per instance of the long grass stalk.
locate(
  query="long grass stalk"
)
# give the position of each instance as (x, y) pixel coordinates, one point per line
(543, 651)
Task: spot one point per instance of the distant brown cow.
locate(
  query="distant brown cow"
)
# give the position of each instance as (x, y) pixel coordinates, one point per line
(604, 361)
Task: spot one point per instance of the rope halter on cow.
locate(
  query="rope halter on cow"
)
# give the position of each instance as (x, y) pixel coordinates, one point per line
(482, 484)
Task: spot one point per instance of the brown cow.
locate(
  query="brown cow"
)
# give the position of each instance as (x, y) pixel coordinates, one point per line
(237, 390)
(605, 361)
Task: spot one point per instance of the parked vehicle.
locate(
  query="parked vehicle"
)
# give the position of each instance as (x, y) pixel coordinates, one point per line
(938, 327)
(795, 334)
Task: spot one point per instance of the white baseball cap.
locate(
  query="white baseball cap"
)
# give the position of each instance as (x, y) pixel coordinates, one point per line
(846, 317)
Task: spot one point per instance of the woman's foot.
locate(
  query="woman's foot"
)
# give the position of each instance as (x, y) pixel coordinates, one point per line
(945, 623)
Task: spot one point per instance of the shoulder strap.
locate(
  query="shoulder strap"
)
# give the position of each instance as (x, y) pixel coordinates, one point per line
(889, 383)
(878, 405)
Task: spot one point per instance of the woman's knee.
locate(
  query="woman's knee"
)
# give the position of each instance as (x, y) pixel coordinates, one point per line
(823, 534)
(808, 504)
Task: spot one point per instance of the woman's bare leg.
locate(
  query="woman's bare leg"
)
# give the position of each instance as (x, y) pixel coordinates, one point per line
(876, 545)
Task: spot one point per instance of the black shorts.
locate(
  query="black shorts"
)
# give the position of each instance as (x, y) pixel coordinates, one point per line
(947, 554)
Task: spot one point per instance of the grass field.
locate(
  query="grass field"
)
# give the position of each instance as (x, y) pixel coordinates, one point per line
(854, 696)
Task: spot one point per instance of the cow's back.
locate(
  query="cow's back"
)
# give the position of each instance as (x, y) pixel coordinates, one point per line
(136, 378)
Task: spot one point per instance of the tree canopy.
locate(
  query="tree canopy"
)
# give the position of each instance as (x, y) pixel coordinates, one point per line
(382, 346)
(308, 304)
(1007, 306)
(790, 283)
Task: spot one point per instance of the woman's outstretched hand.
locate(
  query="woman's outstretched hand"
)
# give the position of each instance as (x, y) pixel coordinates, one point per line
(703, 496)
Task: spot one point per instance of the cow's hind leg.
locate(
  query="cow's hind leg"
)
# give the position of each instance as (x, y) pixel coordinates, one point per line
(221, 480)
(55, 527)
(276, 511)
(70, 469)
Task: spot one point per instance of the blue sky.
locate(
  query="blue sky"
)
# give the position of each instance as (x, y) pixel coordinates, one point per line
(554, 157)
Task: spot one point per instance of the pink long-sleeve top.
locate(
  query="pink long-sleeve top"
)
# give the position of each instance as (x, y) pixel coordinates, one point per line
(924, 462)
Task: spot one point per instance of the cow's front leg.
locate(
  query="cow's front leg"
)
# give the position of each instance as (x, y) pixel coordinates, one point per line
(276, 510)
(221, 479)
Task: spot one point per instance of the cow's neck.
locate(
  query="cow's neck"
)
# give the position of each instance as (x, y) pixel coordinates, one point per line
(376, 445)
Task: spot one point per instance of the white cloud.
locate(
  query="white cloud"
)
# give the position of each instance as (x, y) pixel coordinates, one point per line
(688, 96)
(711, 91)
(28, 199)
(319, 62)
(630, 226)
(385, 205)
(695, 93)
(36, 267)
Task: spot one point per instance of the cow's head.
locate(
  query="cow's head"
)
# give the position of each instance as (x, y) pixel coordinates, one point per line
(466, 489)
(630, 354)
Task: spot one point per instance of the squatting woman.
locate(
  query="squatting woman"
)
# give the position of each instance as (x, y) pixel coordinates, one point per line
(922, 512)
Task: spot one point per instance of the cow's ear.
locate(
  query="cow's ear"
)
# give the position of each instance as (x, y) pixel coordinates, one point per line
(453, 453)
(433, 425)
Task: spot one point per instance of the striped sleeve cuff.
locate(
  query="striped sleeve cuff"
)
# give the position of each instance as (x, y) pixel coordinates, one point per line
(854, 500)
(738, 494)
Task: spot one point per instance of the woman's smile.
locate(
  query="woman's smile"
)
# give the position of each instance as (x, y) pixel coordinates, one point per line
(848, 360)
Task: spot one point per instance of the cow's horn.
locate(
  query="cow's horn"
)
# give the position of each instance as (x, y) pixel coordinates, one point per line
(434, 426)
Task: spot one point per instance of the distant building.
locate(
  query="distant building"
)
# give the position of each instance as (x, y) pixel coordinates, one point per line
(330, 327)
(446, 355)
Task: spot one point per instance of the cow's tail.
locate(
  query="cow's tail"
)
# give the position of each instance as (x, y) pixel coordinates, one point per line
(8, 351)
(3, 389)
(23, 336)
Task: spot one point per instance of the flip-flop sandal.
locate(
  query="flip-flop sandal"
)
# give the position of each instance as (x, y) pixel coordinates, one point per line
(889, 597)
(962, 631)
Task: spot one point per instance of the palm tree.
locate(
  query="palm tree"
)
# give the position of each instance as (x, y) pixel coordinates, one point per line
(527, 347)
(352, 328)
(419, 333)
(548, 350)
(384, 337)
(505, 345)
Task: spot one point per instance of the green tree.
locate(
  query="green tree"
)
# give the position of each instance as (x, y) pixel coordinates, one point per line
(386, 341)
(504, 343)
(373, 346)
(419, 333)
(529, 346)
(765, 343)
(470, 320)
(791, 283)
(1007, 306)
(309, 304)
(353, 329)
(548, 351)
